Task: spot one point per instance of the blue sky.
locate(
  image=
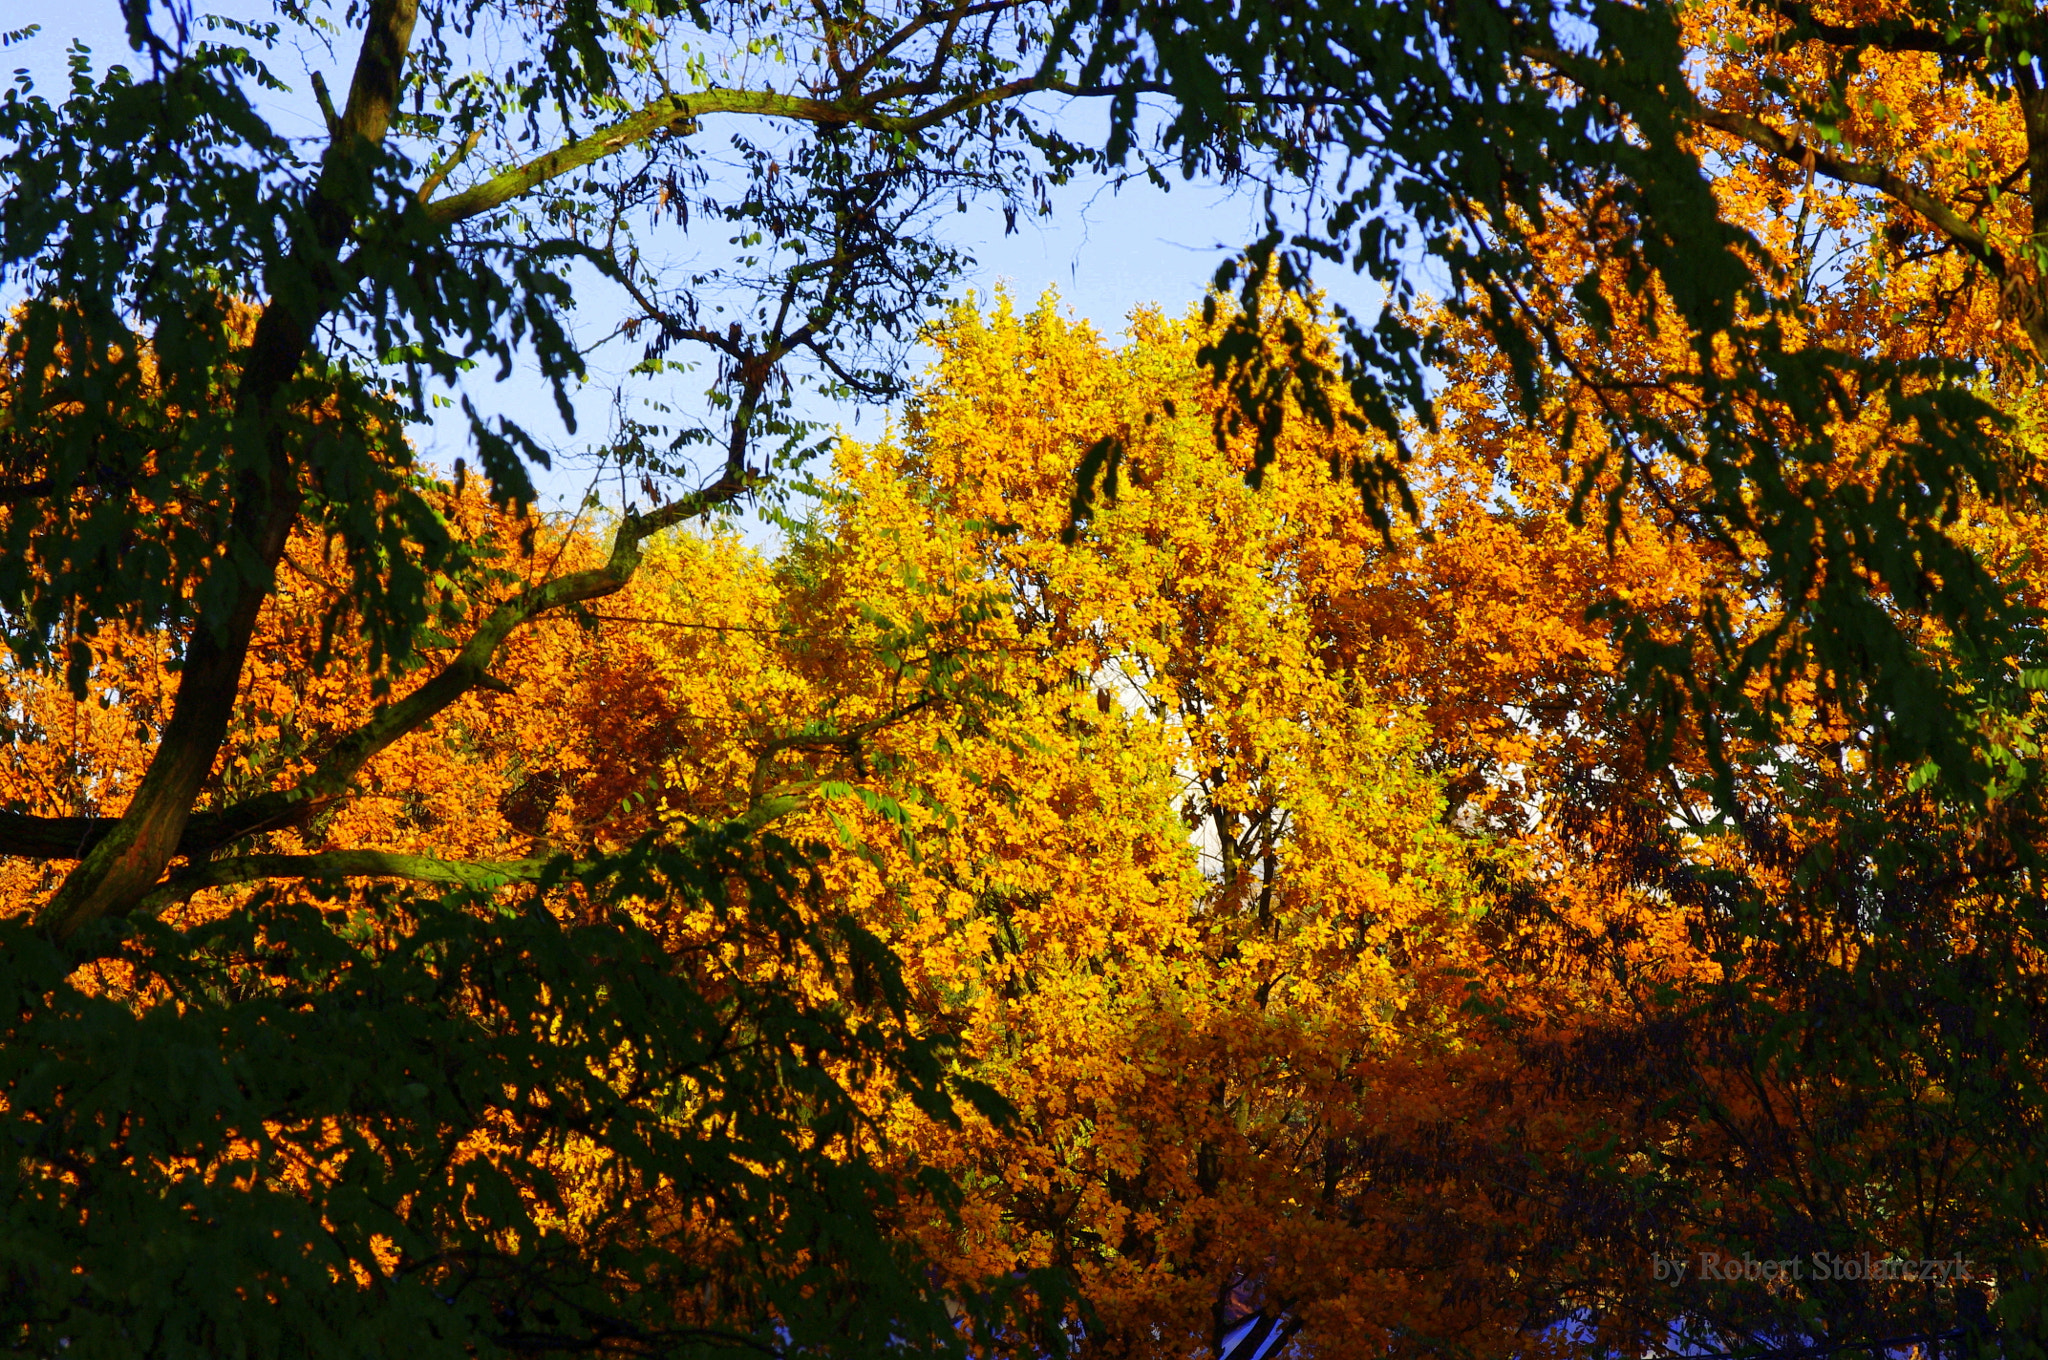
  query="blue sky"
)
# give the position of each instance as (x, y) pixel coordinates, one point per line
(1106, 250)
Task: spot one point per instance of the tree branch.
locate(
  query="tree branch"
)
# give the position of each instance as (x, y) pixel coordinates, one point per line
(338, 864)
(32, 837)
(1887, 36)
(435, 180)
(484, 875)
(124, 863)
(1797, 151)
(336, 770)
(674, 109)
(51, 837)
(846, 743)
(953, 18)
(2020, 290)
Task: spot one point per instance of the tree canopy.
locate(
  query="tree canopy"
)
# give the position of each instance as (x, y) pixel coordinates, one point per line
(1385, 822)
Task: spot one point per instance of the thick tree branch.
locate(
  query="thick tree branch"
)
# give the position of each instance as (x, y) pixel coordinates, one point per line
(2033, 103)
(483, 875)
(74, 837)
(51, 837)
(125, 863)
(31, 837)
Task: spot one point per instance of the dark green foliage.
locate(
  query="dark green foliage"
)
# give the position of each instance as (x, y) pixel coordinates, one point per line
(142, 221)
(252, 1136)
(1861, 1080)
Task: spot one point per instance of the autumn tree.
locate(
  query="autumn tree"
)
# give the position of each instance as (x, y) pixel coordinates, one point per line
(1825, 932)
(1153, 824)
(1769, 310)
(1170, 879)
(413, 197)
(221, 340)
(616, 1104)
(1204, 881)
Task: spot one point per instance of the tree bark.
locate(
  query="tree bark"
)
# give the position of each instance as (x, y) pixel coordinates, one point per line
(126, 863)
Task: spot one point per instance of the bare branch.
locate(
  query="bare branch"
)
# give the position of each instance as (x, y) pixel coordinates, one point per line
(952, 17)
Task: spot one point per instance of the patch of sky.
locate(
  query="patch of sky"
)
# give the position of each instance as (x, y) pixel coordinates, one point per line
(1107, 246)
